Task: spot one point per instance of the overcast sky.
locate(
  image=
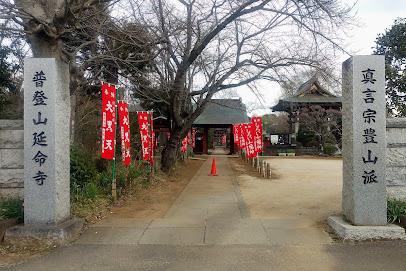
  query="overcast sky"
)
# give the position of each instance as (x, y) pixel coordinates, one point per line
(375, 15)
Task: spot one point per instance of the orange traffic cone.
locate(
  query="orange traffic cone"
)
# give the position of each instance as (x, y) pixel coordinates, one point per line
(213, 168)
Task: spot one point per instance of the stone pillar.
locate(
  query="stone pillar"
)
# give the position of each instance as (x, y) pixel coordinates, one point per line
(364, 144)
(46, 142)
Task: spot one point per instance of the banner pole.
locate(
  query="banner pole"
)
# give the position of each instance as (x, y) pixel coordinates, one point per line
(113, 184)
(149, 145)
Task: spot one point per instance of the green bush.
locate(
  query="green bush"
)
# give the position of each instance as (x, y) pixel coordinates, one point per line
(313, 143)
(395, 208)
(91, 190)
(12, 208)
(101, 164)
(133, 173)
(104, 179)
(82, 168)
(330, 139)
(121, 179)
(290, 151)
(330, 149)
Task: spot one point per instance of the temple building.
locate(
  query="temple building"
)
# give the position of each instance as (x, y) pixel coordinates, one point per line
(310, 93)
(219, 115)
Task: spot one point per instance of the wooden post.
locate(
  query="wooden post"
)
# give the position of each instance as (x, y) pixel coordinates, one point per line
(268, 171)
(260, 167)
(258, 164)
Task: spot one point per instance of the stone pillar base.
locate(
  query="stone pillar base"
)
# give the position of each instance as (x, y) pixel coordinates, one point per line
(53, 235)
(348, 232)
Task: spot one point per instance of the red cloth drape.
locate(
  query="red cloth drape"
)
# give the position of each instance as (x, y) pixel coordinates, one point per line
(144, 132)
(257, 125)
(124, 132)
(108, 121)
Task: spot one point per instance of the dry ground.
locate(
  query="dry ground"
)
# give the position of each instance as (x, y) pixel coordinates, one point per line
(308, 188)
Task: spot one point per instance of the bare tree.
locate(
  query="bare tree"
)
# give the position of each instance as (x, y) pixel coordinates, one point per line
(211, 46)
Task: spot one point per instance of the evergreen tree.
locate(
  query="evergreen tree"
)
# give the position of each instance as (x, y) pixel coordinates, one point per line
(392, 44)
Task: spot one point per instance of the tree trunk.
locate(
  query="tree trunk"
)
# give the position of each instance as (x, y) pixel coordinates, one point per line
(45, 48)
(170, 151)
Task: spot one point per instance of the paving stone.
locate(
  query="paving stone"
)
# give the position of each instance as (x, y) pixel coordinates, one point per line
(278, 223)
(297, 236)
(178, 223)
(173, 236)
(246, 236)
(187, 213)
(230, 223)
(123, 223)
(114, 236)
(224, 215)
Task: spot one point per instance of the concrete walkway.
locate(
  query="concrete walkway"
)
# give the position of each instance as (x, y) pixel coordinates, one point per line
(209, 228)
(210, 210)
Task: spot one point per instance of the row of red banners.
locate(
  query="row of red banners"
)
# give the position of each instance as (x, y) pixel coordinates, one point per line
(109, 111)
(248, 136)
(189, 139)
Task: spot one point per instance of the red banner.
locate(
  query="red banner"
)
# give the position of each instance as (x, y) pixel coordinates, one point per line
(144, 132)
(249, 144)
(151, 160)
(184, 144)
(242, 136)
(168, 135)
(108, 121)
(193, 138)
(224, 139)
(124, 132)
(257, 125)
(189, 138)
(236, 134)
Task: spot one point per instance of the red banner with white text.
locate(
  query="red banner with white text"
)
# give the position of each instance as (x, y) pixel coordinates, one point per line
(184, 144)
(124, 132)
(257, 125)
(193, 138)
(249, 144)
(144, 133)
(242, 136)
(236, 134)
(108, 121)
(189, 138)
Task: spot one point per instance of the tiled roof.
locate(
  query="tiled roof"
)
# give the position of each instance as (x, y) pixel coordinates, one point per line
(223, 111)
(309, 93)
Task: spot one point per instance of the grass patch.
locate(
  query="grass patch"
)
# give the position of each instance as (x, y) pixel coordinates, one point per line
(395, 209)
(12, 208)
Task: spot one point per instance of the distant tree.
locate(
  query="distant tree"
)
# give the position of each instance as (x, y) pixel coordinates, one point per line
(322, 121)
(392, 44)
(276, 123)
(11, 56)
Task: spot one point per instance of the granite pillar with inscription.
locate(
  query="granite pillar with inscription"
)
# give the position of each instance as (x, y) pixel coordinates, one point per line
(46, 142)
(364, 144)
